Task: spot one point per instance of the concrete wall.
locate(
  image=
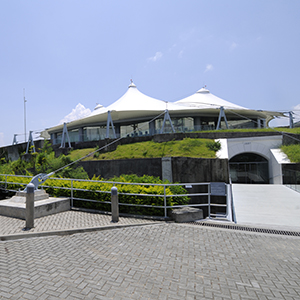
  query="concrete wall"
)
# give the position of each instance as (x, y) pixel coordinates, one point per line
(110, 168)
(187, 169)
(278, 159)
(290, 138)
(265, 146)
(258, 145)
(13, 152)
(291, 173)
(184, 169)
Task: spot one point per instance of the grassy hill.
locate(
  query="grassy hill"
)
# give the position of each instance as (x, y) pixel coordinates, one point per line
(187, 147)
(45, 161)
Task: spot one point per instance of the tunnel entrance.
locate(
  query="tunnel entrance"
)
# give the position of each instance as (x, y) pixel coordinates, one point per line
(249, 168)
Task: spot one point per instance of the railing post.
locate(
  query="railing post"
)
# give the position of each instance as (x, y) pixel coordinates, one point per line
(231, 202)
(71, 193)
(6, 182)
(29, 206)
(165, 202)
(209, 192)
(114, 205)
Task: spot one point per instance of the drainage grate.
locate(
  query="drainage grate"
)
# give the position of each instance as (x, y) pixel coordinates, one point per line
(243, 228)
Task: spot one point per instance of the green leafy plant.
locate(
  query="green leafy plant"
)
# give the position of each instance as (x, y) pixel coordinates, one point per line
(213, 145)
(292, 152)
(44, 161)
(98, 190)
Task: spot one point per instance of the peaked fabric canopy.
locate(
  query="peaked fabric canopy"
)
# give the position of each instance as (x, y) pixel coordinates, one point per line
(135, 106)
(204, 99)
(134, 100)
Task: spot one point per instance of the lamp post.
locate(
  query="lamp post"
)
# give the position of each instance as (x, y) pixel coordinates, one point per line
(24, 113)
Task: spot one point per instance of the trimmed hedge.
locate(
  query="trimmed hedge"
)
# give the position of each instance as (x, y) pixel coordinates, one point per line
(99, 191)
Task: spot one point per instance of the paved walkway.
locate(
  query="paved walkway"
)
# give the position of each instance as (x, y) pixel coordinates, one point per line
(271, 205)
(157, 261)
(66, 222)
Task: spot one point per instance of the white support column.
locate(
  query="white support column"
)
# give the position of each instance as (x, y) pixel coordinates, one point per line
(291, 119)
(258, 123)
(221, 114)
(80, 134)
(30, 143)
(152, 127)
(167, 118)
(108, 123)
(65, 135)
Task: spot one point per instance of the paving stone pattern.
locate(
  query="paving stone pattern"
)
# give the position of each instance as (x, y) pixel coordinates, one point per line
(65, 220)
(160, 261)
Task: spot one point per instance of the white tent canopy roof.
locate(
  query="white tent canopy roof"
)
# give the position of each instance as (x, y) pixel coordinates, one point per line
(136, 106)
(134, 100)
(204, 99)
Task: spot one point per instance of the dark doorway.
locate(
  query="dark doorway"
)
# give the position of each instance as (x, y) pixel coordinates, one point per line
(249, 168)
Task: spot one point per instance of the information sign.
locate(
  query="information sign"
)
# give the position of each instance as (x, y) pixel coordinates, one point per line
(218, 188)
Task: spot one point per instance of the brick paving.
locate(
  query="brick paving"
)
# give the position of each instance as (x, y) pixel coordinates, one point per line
(159, 261)
(63, 221)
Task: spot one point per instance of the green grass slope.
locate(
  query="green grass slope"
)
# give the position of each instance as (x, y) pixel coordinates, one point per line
(204, 148)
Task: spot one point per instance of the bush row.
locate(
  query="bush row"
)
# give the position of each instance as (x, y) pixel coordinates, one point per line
(98, 190)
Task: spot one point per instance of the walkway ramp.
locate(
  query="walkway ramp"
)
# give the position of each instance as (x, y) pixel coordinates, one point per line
(274, 205)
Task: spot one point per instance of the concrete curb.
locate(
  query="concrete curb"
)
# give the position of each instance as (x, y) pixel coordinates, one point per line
(18, 236)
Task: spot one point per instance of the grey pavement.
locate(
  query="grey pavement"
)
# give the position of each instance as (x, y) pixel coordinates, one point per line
(155, 260)
(66, 222)
(272, 205)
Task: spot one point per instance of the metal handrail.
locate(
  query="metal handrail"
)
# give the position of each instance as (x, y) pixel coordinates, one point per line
(164, 196)
(231, 201)
(294, 183)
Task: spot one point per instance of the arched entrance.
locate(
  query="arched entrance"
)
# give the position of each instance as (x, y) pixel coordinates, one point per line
(249, 168)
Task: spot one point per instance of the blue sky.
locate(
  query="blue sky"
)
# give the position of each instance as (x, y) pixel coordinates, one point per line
(71, 52)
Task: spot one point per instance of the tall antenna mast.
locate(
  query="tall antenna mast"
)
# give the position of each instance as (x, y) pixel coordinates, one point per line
(24, 113)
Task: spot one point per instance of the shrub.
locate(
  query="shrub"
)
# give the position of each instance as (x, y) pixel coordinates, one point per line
(100, 192)
(213, 146)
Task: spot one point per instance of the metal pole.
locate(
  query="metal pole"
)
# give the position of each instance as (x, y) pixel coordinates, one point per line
(30, 206)
(114, 205)
(165, 201)
(291, 119)
(209, 191)
(71, 193)
(24, 113)
(5, 181)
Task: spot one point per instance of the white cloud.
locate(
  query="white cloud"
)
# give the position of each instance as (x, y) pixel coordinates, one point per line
(77, 113)
(208, 68)
(180, 54)
(158, 55)
(233, 46)
(173, 47)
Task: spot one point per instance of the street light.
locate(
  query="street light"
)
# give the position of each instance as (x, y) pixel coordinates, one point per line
(24, 113)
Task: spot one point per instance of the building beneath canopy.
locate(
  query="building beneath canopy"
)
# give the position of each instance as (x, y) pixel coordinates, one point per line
(138, 114)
